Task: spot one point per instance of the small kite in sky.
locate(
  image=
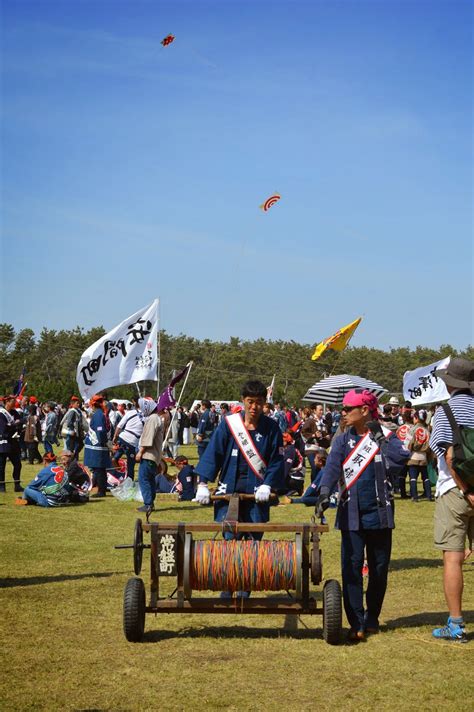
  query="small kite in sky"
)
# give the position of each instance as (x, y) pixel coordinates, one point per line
(167, 40)
(269, 202)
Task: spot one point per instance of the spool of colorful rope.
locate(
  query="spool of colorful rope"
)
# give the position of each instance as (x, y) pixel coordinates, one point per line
(244, 565)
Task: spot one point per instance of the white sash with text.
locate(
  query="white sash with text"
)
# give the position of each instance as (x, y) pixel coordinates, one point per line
(358, 459)
(246, 445)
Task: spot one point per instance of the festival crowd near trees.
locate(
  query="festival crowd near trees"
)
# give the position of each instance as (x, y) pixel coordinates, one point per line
(51, 359)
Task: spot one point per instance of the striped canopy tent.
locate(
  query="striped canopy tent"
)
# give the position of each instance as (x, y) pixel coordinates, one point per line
(333, 389)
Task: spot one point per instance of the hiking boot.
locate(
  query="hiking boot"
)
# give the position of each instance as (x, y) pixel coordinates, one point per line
(451, 631)
(18, 487)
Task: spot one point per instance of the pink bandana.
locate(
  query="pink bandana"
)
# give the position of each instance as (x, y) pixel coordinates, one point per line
(358, 397)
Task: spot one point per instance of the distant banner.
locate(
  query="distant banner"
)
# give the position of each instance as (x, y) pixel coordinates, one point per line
(422, 386)
(126, 354)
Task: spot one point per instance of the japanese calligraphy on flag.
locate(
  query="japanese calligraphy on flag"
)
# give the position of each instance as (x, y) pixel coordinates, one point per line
(126, 354)
(422, 386)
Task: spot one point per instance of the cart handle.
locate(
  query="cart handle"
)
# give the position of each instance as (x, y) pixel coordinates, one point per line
(242, 495)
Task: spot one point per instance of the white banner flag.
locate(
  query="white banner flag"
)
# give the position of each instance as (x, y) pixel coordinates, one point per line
(126, 354)
(422, 386)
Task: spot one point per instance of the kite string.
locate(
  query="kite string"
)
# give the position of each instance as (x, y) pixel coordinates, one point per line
(244, 565)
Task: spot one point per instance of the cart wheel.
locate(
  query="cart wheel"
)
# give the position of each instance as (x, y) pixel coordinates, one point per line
(138, 547)
(332, 612)
(134, 610)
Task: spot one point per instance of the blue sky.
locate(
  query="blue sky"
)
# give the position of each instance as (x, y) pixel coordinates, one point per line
(132, 171)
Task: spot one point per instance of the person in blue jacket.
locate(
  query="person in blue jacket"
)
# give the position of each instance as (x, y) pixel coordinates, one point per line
(363, 460)
(96, 449)
(58, 484)
(205, 428)
(186, 479)
(223, 457)
(310, 495)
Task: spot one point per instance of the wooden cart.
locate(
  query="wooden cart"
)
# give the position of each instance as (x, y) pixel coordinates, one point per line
(172, 555)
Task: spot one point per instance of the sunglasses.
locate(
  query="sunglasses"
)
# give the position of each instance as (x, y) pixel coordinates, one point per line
(348, 408)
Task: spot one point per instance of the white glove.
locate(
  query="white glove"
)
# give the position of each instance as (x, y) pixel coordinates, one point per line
(202, 495)
(262, 493)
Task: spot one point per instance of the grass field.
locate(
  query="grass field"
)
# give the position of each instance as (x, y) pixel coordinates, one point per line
(63, 646)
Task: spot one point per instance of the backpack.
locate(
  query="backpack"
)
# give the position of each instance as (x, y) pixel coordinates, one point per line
(463, 448)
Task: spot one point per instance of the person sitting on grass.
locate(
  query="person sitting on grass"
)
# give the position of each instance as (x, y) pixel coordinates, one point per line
(58, 485)
(186, 485)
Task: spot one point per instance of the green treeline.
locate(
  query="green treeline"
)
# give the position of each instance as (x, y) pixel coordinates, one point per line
(219, 367)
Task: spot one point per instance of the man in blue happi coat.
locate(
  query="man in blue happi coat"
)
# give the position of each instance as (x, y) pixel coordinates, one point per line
(223, 456)
(363, 460)
(58, 484)
(205, 427)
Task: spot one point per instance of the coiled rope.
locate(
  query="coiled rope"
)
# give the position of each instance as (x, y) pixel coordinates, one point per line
(244, 565)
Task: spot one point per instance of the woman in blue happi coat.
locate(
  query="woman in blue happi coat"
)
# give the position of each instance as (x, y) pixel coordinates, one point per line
(365, 513)
(96, 449)
(58, 484)
(224, 458)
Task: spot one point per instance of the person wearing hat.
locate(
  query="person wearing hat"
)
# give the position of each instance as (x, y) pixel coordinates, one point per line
(96, 450)
(396, 415)
(33, 435)
(150, 448)
(454, 509)
(10, 428)
(363, 460)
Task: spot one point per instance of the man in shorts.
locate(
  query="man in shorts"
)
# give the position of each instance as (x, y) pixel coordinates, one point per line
(454, 512)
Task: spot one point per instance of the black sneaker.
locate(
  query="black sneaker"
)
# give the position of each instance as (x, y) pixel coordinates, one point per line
(19, 488)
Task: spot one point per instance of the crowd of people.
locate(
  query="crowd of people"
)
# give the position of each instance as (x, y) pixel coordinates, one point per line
(355, 457)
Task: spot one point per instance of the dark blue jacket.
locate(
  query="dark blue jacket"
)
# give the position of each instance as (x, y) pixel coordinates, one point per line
(223, 456)
(96, 452)
(7, 428)
(187, 479)
(206, 426)
(393, 459)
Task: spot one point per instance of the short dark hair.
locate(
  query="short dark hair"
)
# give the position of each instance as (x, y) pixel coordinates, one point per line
(225, 406)
(181, 459)
(206, 403)
(254, 389)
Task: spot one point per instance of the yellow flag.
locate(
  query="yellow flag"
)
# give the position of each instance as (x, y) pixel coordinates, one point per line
(338, 341)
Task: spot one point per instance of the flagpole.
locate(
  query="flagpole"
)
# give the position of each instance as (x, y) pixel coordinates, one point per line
(158, 365)
(190, 364)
